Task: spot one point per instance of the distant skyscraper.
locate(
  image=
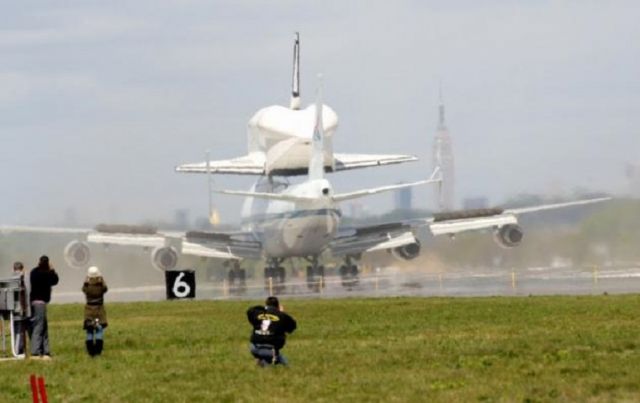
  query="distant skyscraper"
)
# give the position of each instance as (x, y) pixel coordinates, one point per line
(443, 157)
(356, 210)
(633, 176)
(402, 199)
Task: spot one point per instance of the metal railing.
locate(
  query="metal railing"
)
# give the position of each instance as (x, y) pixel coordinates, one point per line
(534, 281)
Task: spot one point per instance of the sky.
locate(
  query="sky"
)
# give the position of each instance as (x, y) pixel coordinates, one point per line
(99, 101)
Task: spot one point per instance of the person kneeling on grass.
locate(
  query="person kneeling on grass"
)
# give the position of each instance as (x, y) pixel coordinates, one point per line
(270, 328)
(95, 316)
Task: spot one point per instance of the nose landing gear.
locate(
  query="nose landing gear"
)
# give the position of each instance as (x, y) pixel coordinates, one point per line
(315, 275)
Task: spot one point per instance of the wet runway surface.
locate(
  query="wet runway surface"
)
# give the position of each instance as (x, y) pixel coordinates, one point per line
(390, 282)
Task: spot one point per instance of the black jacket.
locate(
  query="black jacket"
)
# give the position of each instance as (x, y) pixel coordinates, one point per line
(270, 326)
(41, 282)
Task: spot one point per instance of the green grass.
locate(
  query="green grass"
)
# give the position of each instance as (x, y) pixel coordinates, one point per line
(400, 349)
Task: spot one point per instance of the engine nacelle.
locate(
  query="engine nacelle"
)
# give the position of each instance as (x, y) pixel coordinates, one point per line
(407, 252)
(164, 258)
(509, 236)
(77, 254)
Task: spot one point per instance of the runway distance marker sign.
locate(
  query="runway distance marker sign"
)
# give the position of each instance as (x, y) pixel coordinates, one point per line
(181, 284)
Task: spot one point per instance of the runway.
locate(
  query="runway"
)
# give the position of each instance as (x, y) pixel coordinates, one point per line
(393, 282)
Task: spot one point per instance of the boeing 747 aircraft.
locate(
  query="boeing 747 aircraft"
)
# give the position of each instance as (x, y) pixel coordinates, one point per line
(282, 221)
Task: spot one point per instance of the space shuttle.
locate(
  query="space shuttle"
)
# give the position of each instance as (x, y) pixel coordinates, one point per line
(280, 141)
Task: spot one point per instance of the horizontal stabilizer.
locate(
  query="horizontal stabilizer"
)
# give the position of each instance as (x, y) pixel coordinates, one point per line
(372, 191)
(267, 196)
(336, 198)
(436, 177)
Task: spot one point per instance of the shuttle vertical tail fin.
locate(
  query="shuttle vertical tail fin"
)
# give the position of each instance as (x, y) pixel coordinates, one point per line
(316, 162)
(295, 81)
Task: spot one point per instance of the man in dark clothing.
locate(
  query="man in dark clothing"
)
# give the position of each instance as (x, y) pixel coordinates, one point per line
(270, 326)
(43, 277)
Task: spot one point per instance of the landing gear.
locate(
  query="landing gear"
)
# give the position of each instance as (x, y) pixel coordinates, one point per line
(315, 275)
(237, 279)
(349, 274)
(274, 276)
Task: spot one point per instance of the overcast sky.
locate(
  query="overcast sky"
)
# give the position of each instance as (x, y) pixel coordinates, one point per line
(100, 100)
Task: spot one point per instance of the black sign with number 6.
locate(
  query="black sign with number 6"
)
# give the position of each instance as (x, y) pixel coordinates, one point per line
(180, 284)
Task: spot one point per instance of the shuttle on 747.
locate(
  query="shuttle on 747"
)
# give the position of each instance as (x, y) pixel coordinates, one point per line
(279, 141)
(282, 221)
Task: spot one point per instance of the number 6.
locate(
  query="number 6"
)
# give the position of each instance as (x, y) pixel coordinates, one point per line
(180, 288)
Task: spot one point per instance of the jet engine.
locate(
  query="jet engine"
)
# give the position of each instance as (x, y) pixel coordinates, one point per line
(164, 258)
(77, 254)
(509, 236)
(407, 252)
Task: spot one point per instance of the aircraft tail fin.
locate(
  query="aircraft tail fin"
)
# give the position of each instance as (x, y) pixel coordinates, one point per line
(316, 162)
(295, 81)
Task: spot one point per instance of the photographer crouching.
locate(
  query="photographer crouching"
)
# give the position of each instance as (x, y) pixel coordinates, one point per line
(270, 328)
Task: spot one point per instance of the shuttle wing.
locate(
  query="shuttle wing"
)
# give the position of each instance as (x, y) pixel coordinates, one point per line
(255, 164)
(251, 164)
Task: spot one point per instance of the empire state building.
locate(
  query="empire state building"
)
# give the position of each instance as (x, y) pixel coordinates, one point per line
(443, 158)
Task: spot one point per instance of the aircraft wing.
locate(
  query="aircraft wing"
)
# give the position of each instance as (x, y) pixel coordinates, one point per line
(255, 164)
(218, 245)
(451, 223)
(240, 245)
(251, 164)
(165, 248)
(388, 236)
(9, 229)
(371, 238)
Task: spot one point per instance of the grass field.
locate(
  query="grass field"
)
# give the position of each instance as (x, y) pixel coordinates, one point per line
(404, 349)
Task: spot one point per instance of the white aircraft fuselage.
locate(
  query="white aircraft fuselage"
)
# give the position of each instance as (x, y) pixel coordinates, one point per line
(281, 137)
(292, 229)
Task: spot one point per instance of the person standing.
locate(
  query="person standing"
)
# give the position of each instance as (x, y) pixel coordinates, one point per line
(270, 328)
(42, 278)
(21, 320)
(95, 316)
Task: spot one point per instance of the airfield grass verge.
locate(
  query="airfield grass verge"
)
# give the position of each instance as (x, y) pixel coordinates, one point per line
(395, 349)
